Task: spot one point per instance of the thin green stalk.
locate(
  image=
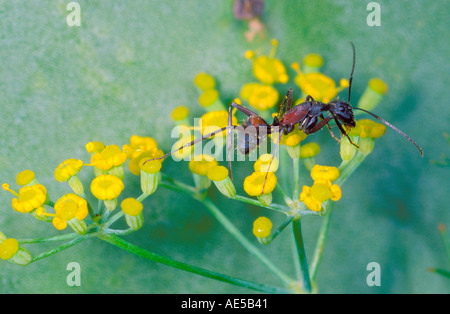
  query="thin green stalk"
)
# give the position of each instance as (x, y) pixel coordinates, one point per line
(296, 173)
(118, 242)
(275, 207)
(445, 241)
(278, 231)
(229, 226)
(62, 247)
(323, 234)
(49, 239)
(286, 198)
(441, 272)
(306, 280)
(346, 170)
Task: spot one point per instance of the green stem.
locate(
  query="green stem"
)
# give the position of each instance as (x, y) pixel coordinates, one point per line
(62, 247)
(275, 207)
(243, 240)
(286, 198)
(174, 185)
(297, 227)
(349, 168)
(323, 234)
(296, 172)
(445, 241)
(55, 238)
(346, 170)
(439, 271)
(278, 231)
(116, 241)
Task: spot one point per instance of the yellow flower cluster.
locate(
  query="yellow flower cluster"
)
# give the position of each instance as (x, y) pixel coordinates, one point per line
(322, 189)
(72, 209)
(138, 149)
(268, 70)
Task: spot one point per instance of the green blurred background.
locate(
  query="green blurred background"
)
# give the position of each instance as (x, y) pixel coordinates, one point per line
(131, 62)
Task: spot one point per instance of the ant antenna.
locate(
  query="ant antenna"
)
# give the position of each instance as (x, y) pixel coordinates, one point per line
(351, 74)
(394, 128)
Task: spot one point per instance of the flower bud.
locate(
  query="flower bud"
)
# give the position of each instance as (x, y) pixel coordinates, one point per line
(132, 210)
(219, 175)
(373, 94)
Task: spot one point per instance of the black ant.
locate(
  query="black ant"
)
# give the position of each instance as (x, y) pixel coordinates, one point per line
(307, 115)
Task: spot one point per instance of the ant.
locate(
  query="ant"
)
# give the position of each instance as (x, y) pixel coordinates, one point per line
(309, 116)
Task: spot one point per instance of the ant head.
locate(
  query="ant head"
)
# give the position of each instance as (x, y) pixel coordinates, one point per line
(343, 112)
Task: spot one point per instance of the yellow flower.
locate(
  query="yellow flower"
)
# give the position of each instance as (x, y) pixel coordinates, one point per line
(139, 148)
(322, 190)
(309, 150)
(67, 169)
(150, 175)
(262, 227)
(94, 147)
(25, 177)
(268, 69)
(29, 198)
(109, 157)
(292, 139)
(259, 96)
(132, 210)
(11, 250)
(201, 164)
(219, 175)
(8, 248)
(131, 206)
(312, 63)
(263, 162)
(106, 187)
(371, 128)
(325, 172)
(204, 81)
(317, 85)
(253, 184)
(180, 114)
(215, 120)
(71, 210)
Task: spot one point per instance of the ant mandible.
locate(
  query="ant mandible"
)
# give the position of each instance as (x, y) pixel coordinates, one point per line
(309, 116)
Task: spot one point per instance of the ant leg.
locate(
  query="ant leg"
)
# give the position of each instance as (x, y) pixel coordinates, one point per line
(318, 126)
(196, 141)
(286, 104)
(329, 129)
(272, 158)
(243, 109)
(309, 98)
(229, 139)
(343, 132)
